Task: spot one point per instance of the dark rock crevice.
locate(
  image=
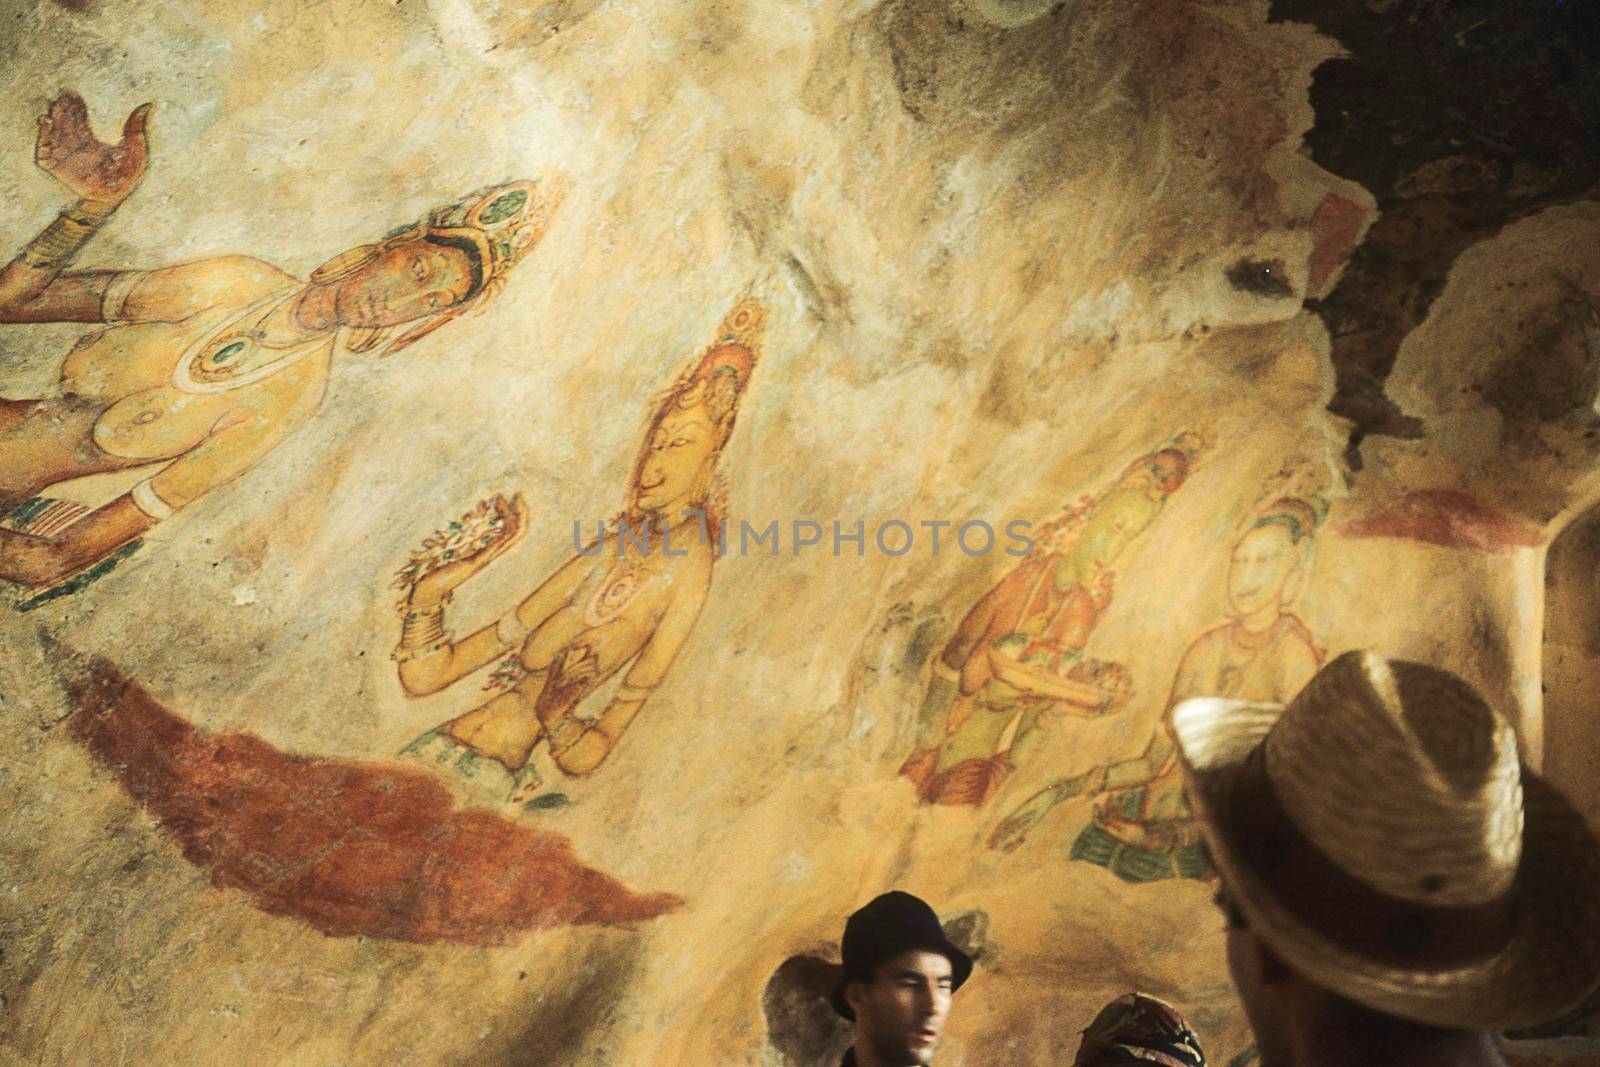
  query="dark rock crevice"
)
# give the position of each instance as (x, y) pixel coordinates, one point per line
(1459, 117)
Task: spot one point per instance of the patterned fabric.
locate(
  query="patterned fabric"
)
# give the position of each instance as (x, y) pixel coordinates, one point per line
(1139, 1029)
(44, 517)
(971, 782)
(1138, 863)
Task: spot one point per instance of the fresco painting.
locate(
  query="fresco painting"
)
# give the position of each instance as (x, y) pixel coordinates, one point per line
(1443, 517)
(348, 847)
(204, 367)
(605, 798)
(1018, 657)
(629, 599)
(1142, 829)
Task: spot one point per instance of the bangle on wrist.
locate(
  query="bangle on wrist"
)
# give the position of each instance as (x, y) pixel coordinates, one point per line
(97, 210)
(422, 633)
(66, 235)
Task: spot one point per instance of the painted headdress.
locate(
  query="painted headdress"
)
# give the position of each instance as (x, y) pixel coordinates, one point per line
(495, 226)
(723, 370)
(1161, 472)
(1167, 467)
(1298, 516)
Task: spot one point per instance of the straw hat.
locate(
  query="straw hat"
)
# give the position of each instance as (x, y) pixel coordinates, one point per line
(1382, 837)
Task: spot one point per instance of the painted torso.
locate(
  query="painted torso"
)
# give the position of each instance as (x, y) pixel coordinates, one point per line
(165, 391)
(610, 616)
(1227, 661)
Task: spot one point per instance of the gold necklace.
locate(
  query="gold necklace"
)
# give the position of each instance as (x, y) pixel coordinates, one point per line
(221, 360)
(259, 335)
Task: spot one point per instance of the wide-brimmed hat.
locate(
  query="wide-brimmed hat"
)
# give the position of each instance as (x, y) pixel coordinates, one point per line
(1382, 836)
(1138, 1030)
(884, 927)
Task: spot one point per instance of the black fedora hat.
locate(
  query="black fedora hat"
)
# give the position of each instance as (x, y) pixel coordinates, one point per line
(886, 926)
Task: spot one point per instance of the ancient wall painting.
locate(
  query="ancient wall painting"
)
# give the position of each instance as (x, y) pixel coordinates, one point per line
(1019, 656)
(197, 370)
(363, 847)
(1443, 517)
(628, 599)
(1141, 828)
(350, 847)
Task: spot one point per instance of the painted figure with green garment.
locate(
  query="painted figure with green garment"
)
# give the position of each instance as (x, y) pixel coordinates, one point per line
(1142, 829)
(1019, 654)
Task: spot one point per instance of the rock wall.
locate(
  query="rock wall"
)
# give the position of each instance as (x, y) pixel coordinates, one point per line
(1063, 272)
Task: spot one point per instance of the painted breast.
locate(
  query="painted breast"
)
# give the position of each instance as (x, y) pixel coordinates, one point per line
(158, 423)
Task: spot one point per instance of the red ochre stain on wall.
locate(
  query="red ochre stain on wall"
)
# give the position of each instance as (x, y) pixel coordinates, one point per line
(1335, 226)
(1444, 517)
(349, 847)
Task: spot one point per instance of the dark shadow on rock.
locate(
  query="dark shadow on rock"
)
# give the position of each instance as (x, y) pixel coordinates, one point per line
(1459, 118)
(567, 1024)
(802, 1026)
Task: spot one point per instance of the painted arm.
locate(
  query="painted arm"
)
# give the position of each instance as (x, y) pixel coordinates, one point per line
(167, 294)
(583, 751)
(101, 176)
(1014, 830)
(1081, 697)
(43, 560)
(453, 660)
(220, 458)
(978, 622)
(1143, 768)
(986, 622)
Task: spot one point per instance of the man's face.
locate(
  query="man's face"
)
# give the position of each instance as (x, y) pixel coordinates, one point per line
(900, 1014)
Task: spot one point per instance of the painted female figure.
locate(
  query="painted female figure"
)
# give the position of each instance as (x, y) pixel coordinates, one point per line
(1019, 652)
(631, 597)
(200, 369)
(1142, 828)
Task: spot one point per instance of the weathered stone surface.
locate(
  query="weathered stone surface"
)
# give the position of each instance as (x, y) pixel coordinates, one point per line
(903, 261)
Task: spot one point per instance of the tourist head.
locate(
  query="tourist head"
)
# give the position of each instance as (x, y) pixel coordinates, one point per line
(1138, 1030)
(1384, 855)
(900, 973)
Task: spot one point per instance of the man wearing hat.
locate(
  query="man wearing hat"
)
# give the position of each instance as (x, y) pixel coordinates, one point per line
(899, 974)
(1397, 884)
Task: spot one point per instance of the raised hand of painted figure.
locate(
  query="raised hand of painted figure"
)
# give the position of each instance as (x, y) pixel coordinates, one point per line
(622, 605)
(68, 151)
(202, 368)
(453, 555)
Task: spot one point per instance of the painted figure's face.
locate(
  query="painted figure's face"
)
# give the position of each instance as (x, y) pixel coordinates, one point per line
(1263, 563)
(1124, 514)
(901, 1013)
(678, 457)
(404, 281)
